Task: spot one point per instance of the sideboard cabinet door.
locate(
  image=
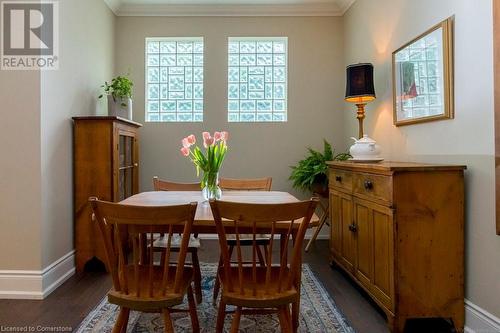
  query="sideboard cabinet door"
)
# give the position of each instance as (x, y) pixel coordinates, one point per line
(342, 221)
(363, 216)
(375, 246)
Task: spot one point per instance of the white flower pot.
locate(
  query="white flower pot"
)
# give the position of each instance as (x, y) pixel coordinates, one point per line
(120, 107)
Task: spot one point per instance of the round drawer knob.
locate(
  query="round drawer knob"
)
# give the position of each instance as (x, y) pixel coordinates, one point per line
(368, 185)
(338, 178)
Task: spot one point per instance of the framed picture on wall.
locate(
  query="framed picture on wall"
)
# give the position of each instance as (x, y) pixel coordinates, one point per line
(423, 76)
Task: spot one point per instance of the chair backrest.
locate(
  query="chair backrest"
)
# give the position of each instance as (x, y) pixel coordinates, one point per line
(245, 217)
(256, 184)
(122, 225)
(164, 185)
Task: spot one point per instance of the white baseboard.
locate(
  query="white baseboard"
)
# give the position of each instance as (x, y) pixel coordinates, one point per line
(23, 284)
(478, 320)
(215, 237)
(320, 237)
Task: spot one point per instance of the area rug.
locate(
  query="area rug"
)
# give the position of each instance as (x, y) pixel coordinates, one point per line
(318, 313)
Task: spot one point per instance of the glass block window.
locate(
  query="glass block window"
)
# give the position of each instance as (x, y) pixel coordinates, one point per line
(257, 79)
(174, 79)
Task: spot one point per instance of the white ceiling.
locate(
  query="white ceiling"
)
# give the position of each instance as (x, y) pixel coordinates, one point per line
(229, 7)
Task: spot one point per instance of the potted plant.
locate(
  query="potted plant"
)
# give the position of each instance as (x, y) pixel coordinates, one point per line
(311, 173)
(119, 92)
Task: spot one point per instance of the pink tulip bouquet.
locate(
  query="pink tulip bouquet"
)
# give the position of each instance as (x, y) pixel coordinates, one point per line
(208, 162)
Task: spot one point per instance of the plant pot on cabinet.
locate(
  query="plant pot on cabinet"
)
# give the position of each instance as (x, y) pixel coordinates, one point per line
(321, 189)
(120, 107)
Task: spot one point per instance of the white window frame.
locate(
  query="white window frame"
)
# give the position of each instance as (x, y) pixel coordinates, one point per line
(147, 83)
(284, 112)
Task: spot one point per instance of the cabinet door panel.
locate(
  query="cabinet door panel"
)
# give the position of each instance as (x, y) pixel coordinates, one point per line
(335, 229)
(348, 241)
(383, 264)
(125, 162)
(364, 233)
(374, 244)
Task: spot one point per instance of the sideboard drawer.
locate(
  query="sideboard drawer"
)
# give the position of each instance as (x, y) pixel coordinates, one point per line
(373, 186)
(340, 179)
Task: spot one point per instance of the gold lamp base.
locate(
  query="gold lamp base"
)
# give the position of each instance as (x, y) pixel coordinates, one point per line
(360, 116)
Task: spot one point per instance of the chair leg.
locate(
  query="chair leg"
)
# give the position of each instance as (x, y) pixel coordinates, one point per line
(298, 286)
(288, 317)
(262, 262)
(169, 325)
(266, 254)
(121, 321)
(235, 325)
(295, 316)
(217, 282)
(197, 276)
(285, 319)
(221, 315)
(162, 258)
(192, 311)
(125, 321)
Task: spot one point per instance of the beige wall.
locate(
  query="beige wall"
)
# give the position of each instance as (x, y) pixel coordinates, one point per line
(36, 211)
(20, 207)
(86, 61)
(256, 149)
(468, 139)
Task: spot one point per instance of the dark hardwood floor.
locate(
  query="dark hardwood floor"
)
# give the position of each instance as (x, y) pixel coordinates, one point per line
(70, 303)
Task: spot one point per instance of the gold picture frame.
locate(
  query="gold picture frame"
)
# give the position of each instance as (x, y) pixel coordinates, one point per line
(422, 77)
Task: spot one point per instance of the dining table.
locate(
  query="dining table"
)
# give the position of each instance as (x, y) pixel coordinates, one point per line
(204, 221)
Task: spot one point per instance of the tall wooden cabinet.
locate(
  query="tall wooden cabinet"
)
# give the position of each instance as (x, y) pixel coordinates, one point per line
(106, 165)
(398, 231)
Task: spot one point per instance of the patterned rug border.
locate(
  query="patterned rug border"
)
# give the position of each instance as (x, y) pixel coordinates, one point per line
(325, 296)
(329, 300)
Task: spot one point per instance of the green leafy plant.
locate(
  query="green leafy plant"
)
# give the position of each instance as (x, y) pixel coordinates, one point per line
(311, 172)
(119, 87)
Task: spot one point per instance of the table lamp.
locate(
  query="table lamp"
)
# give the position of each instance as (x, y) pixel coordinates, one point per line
(359, 89)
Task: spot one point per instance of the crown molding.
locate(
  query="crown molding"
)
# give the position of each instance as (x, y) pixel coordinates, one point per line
(344, 5)
(114, 5)
(230, 10)
(337, 8)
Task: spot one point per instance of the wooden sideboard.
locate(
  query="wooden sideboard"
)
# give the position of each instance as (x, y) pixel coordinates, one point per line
(106, 165)
(398, 231)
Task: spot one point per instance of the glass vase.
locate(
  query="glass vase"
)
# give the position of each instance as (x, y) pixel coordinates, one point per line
(210, 184)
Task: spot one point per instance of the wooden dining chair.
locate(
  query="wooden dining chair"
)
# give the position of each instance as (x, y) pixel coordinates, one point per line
(144, 285)
(254, 184)
(253, 288)
(194, 242)
(164, 185)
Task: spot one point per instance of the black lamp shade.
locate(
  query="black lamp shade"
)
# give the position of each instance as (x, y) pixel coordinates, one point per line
(359, 87)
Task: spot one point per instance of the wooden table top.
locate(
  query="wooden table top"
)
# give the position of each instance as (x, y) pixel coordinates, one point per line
(204, 217)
